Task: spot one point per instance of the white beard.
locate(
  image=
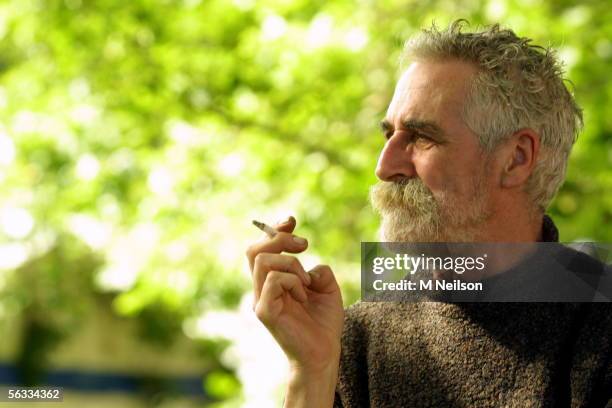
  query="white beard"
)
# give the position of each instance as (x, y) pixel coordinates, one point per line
(410, 213)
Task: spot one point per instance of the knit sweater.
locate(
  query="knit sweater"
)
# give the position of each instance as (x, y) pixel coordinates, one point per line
(436, 354)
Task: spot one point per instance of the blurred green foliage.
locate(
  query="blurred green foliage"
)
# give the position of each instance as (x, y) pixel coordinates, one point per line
(139, 138)
(221, 385)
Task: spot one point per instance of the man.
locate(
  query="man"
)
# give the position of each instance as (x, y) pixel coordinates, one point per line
(477, 139)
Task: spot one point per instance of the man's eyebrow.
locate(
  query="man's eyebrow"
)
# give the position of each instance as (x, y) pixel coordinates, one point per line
(429, 127)
(385, 125)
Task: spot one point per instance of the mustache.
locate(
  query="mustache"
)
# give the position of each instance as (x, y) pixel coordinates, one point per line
(406, 193)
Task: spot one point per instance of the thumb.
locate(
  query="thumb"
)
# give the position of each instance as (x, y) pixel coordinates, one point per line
(286, 226)
(323, 279)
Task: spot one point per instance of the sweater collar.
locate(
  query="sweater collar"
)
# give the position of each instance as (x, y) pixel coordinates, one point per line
(550, 233)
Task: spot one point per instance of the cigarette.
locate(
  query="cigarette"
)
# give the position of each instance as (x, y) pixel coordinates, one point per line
(265, 228)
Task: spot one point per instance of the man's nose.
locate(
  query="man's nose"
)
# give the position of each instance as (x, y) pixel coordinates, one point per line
(395, 161)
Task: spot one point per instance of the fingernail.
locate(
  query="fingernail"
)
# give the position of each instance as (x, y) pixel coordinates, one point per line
(312, 273)
(299, 241)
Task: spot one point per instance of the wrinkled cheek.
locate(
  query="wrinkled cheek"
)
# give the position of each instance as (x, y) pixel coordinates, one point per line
(429, 169)
(448, 187)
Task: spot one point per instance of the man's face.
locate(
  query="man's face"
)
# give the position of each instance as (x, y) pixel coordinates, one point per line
(434, 184)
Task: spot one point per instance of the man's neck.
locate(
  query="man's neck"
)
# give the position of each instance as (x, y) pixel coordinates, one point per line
(514, 226)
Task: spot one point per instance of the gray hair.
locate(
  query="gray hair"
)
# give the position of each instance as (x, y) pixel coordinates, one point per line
(518, 86)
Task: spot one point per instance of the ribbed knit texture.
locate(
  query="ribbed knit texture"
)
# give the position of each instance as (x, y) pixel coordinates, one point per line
(434, 354)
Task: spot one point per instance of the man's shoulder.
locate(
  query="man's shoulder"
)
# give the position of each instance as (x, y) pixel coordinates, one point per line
(583, 262)
(584, 257)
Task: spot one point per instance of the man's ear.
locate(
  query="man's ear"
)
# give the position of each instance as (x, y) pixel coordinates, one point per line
(522, 150)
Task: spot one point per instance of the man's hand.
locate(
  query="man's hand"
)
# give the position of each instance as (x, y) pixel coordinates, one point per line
(302, 310)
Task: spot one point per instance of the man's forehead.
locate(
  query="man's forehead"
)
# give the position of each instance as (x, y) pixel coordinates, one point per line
(430, 87)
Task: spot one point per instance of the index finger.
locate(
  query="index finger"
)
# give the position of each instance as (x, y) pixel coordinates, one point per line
(284, 241)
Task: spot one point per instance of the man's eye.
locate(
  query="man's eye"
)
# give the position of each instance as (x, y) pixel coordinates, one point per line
(423, 141)
(417, 138)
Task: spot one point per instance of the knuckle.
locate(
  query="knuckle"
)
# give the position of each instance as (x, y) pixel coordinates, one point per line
(261, 312)
(252, 250)
(260, 260)
(274, 277)
(294, 262)
(294, 280)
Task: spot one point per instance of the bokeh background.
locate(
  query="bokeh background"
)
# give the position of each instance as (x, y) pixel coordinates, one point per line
(138, 139)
